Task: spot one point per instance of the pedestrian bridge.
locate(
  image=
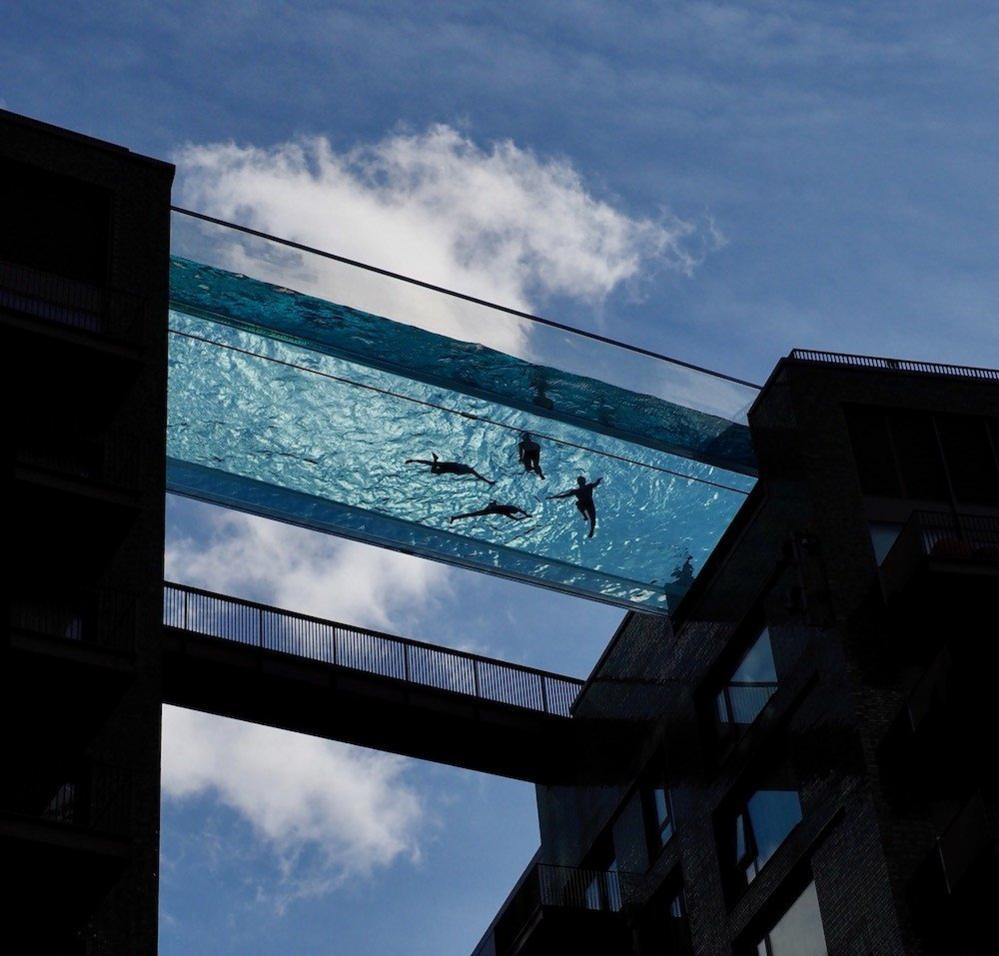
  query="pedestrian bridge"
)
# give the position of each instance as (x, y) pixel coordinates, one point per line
(240, 659)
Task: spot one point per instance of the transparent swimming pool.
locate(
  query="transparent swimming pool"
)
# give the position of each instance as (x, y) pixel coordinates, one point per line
(291, 406)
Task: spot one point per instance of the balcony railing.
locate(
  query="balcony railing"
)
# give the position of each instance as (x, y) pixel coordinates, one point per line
(895, 364)
(246, 622)
(79, 305)
(114, 461)
(100, 617)
(95, 796)
(563, 887)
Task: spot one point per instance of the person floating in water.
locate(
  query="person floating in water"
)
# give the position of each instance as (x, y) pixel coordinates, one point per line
(584, 500)
(438, 467)
(530, 454)
(495, 508)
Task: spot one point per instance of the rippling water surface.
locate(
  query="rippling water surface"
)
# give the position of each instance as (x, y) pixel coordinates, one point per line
(263, 420)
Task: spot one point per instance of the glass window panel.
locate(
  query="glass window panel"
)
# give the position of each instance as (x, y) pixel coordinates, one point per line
(799, 932)
(752, 684)
(883, 535)
(773, 815)
(758, 664)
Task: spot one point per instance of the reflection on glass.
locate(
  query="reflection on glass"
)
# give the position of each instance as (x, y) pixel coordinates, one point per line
(663, 809)
(799, 931)
(762, 826)
(751, 685)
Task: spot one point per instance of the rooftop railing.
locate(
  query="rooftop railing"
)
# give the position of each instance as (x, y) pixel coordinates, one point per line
(895, 364)
(79, 305)
(373, 652)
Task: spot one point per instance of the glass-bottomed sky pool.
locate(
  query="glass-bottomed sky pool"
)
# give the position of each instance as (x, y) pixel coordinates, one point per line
(290, 406)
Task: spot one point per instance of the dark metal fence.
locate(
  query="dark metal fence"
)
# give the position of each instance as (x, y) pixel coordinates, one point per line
(899, 365)
(100, 617)
(568, 887)
(94, 796)
(112, 460)
(246, 622)
(82, 306)
(948, 535)
(586, 889)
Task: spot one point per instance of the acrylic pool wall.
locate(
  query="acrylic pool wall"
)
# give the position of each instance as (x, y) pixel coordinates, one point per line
(290, 406)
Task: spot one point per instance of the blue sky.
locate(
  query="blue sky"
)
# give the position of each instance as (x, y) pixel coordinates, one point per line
(782, 174)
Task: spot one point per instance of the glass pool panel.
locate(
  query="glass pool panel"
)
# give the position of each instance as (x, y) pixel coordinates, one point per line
(296, 408)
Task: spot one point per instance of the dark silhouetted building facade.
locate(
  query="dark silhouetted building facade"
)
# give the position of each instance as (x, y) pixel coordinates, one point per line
(810, 768)
(84, 242)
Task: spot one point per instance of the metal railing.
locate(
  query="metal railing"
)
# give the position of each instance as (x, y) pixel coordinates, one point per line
(246, 622)
(568, 887)
(115, 460)
(895, 364)
(741, 702)
(94, 796)
(585, 889)
(947, 535)
(80, 305)
(100, 617)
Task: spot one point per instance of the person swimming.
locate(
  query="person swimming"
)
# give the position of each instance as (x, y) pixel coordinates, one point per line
(530, 454)
(583, 494)
(438, 467)
(495, 508)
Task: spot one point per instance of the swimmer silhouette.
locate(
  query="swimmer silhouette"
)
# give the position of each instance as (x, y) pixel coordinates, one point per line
(530, 454)
(495, 508)
(584, 500)
(438, 467)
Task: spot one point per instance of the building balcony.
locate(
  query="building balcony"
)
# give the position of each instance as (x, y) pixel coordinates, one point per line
(110, 466)
(946, 552)
(564, 909)
(98, 620)
(65, 836)
(34, 297)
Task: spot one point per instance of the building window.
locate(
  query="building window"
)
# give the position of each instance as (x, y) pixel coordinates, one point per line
(754, 827)
(603, 887)
(663, 924)
(747, 690)
(658, 804)
(916, 455)
(799, 931)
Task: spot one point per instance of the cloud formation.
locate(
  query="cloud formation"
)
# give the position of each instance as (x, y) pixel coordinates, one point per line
(328, 811)
(286, 566)
(497, 222)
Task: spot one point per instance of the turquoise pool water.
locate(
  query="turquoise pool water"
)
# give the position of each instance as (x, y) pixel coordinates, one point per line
(299, 409)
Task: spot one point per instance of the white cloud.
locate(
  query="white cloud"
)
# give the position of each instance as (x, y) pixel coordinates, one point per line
(328, 811)
(302, 570)
(499, 223)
